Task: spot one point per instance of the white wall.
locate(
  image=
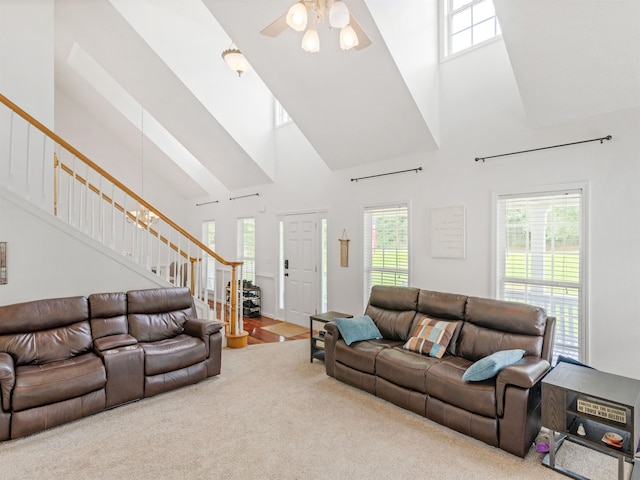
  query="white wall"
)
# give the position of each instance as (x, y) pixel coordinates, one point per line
(26, 56)
(481, 115)
(47, 259)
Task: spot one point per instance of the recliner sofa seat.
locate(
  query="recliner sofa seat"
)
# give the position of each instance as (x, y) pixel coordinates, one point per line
(502, 411)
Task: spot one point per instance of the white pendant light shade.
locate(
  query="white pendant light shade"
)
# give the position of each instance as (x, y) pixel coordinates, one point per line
(236, 60)
(348, 38)
(311, 41)
(297, 17)
(338, 15)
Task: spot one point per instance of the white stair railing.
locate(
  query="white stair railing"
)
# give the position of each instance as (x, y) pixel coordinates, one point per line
(45, 170)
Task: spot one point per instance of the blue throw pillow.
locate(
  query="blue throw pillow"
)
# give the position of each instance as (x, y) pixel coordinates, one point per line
(491, 365)
(357, 329)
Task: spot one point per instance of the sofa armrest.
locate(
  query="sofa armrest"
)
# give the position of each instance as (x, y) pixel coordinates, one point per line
(330, 338)
(332, 327)
(114, 341)
(524, 374)
(7, 379)
(197, 327)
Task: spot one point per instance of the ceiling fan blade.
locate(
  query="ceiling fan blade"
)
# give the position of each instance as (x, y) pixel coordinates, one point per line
(278, 26)
(363, 39)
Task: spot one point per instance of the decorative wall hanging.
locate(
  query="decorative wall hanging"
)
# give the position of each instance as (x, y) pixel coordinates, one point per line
(3, 263)
(344, 249)
(448, 232)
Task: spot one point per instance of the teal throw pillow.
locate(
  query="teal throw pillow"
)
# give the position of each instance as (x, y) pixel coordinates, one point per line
(357, 329)
(491, 365)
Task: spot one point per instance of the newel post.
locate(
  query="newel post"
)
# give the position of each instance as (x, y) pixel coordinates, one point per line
(235, 339)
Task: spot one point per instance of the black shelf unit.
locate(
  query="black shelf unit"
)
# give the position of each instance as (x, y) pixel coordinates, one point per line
(251, 302)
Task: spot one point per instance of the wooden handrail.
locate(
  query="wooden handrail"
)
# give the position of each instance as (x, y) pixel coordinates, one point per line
(83, 158)
(117, 206)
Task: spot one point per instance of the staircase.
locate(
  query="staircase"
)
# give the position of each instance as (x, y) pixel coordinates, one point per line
(45, 170)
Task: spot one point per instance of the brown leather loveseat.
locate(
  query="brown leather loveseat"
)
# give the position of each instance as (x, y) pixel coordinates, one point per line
(502, 411)
(66, 358)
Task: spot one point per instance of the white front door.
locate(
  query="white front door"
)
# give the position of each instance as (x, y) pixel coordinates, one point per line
(301, 269)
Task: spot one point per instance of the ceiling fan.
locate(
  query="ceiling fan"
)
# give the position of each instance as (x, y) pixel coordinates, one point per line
(306, 14)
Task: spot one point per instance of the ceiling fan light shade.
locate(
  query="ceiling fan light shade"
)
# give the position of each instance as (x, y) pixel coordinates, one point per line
(311, 41)
(338, 14)
(297, 17)
(348, 38)
(236, 60)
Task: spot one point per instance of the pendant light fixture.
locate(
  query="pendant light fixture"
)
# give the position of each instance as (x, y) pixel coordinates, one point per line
(236, 60)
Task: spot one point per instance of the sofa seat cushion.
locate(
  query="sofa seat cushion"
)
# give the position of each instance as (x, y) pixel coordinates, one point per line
(38, 385)
(172, 354)
(444, 381)
(404, 368)
(361, 356)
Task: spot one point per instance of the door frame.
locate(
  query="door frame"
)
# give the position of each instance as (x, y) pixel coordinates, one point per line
(280, 252)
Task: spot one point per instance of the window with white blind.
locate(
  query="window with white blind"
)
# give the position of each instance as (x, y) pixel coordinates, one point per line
(247, 248)
(386, 247)
(541, 262)
(209, 239)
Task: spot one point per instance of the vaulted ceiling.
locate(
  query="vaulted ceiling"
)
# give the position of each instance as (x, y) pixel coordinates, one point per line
(155, 65)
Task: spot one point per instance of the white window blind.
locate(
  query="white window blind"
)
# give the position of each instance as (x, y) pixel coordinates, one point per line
(209, 239)
(540, 260)
(386, 247)
(247, 248)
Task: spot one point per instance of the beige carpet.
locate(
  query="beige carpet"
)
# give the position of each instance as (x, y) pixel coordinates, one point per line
(286, 330)
(270, 415)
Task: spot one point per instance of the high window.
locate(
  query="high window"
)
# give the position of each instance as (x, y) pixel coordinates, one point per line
(468, 23)
(386, 246)
(540, 260)
(281, 117)
(247, 248)
(209, 239)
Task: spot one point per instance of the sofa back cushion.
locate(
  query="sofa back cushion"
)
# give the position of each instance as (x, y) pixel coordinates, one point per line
(492, 325)
(108, 314)
(160, 313)
(393, 310)
(447, 306)
(44, 331)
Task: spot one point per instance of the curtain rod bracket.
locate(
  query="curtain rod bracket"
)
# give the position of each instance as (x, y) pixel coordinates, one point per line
(418, 169)
(601, 140)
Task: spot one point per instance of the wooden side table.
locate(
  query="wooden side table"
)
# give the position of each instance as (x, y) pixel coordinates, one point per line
(317, 341)
(601, 402)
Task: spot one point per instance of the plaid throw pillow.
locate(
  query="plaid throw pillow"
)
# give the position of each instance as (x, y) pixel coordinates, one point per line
(431, 337)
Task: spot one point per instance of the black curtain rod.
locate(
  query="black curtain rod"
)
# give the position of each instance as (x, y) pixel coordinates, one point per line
(207, 203)
(245, 196)
(385, 174)
(601, 139)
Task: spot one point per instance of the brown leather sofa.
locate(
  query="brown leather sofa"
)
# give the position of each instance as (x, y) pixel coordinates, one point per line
(503, 411)
(66, 358)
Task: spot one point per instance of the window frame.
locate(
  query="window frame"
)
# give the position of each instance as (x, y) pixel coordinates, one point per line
(445, 29)
(367, 267)
(211, 262)
(583, 334)
(280, 116)
(247, 274)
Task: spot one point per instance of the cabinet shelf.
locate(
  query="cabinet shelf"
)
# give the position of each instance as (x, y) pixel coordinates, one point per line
(601, 402)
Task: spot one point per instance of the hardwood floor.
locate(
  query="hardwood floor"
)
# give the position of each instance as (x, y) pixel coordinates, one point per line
(254, 327)
(258, 335)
